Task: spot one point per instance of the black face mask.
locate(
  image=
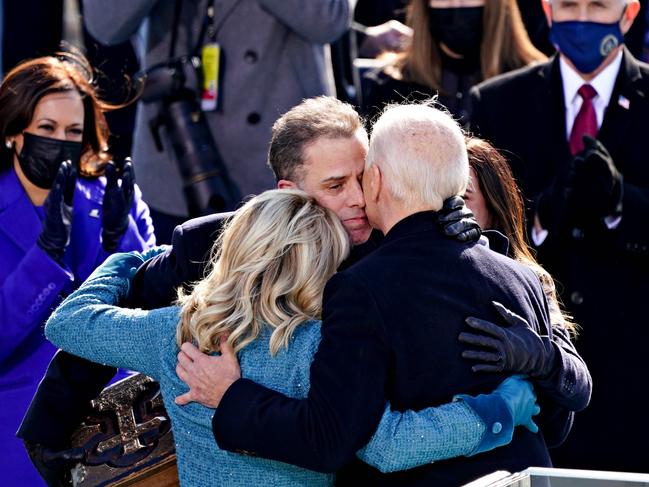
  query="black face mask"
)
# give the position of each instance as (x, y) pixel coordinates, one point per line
(460, 29)
(41, 157)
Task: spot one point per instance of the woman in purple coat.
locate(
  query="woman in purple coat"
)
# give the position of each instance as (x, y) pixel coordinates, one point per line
(58, 221)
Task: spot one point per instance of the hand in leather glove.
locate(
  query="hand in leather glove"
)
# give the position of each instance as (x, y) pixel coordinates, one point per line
(598, 184)
(54, 465)
(516, 348)
(457, 220)
(55, 237)
(118, 200)
(552, 205)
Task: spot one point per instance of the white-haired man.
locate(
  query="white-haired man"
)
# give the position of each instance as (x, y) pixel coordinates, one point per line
(391, 321)
(590, 200)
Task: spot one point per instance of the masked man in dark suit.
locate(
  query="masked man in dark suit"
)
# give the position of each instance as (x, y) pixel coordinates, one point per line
(390, 323)
(575, 131)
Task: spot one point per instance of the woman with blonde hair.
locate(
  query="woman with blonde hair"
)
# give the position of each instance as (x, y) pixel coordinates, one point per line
(263, 297)
(455, 45)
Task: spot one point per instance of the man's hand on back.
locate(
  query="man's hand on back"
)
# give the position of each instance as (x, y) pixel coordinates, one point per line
(207, 376)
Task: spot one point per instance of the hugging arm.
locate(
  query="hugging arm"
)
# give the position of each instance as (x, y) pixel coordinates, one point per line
(89, 323)
(472, 425)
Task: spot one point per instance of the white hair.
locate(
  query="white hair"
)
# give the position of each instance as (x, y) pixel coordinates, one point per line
(422, 154)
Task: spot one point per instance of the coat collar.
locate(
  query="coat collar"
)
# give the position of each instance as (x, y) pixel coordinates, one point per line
(424, 221)
(18, 218)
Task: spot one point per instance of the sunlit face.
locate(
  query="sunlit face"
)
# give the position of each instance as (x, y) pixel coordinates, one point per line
(332, 173)
(58, 116)
(475, 201)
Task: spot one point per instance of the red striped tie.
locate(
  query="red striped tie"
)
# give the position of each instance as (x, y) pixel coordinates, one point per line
(585, 121)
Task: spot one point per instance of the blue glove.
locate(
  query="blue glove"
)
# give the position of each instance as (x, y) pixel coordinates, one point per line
(120, 265)
(55, 237)
(520, 398)
(125, 265)
(118, 200)
(152, 252)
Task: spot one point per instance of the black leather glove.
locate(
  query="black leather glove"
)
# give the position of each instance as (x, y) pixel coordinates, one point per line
(552, 205)
(55, 237)
(517, 349)
(457, 220)
(597, 189)
(52, 465)
(118, 200)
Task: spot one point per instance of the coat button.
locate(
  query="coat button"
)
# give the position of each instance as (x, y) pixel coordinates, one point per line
(254, 118)
(577, 233)
(496, 428)
(250, 56)
(576, 298)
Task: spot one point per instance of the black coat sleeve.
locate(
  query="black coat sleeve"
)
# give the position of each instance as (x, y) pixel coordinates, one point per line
(345, 400)
(61, 401)
(157, 280)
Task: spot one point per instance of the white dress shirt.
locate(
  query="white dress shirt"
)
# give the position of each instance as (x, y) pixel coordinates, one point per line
(603, 83)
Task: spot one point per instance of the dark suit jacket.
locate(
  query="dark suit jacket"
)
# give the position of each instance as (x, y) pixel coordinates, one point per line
(602, 273)
(390, 327)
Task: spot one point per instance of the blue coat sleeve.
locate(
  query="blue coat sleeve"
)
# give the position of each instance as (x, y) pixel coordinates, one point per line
(409, 439)
(27, 297)
(89, 324)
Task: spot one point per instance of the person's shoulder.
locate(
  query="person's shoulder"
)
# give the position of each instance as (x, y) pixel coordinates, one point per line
(513, 80)
(199, 230)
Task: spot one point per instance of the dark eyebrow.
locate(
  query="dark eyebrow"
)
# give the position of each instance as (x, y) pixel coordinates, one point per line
(333, 179)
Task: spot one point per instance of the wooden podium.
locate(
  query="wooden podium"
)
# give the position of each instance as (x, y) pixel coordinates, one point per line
(127, 438)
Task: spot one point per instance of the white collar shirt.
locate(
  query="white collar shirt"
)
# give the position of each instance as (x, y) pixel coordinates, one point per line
(603, 83)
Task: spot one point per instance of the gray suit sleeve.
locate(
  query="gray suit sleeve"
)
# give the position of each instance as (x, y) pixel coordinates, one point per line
(115, 21)
(318, 21)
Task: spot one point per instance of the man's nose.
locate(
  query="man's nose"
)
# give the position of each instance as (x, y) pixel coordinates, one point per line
(355, 196)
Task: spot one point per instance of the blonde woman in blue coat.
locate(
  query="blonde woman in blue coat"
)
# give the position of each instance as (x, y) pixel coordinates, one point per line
(58, 221)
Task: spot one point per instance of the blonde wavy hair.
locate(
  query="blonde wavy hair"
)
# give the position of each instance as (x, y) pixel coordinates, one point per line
(269, 267)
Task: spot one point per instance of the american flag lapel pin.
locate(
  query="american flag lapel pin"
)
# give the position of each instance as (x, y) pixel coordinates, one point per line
(624, 102)
(94, 213)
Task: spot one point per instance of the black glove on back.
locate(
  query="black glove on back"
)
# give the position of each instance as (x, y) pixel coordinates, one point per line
(457, 220)
(118, 200)
(55, 237)
(517, 349)
(597, 189)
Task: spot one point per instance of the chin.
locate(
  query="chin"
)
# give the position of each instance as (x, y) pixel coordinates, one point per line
(360, 236)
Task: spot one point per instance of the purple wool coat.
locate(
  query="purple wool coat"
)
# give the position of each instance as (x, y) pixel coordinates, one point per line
(32, 284)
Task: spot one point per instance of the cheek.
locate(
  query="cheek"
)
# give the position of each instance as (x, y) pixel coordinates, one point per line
(334, 203)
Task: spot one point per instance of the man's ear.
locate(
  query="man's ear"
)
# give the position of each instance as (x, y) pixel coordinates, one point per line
(630, 13)
(547, 10)
(376, 182)
(286, 184)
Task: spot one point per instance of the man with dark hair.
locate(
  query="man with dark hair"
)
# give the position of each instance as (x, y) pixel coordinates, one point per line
(574, 130)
